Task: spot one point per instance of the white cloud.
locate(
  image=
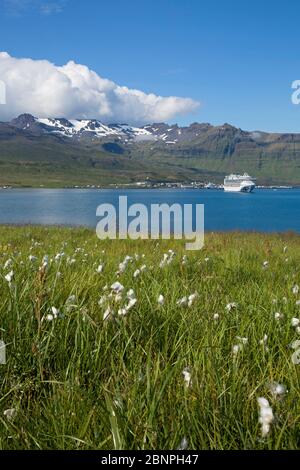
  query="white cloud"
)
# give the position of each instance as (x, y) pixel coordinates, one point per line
(74, 91)
(45, 7)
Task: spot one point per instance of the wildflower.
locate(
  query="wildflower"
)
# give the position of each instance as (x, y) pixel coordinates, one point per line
(242, 340)
(118, 297)
(123, 311)
(107, 314)
(277, 390)
(54, 315)
(131, 304)
(266, 416)
(59, 256)
(236, 348)
(206, 260)
(9, 277)
(265, 264)
(71, 303)
(216, 316)
(102, 300)
(136, 273)
(8, 263)
(130, 294)
(100, 268)
(187, 377)
(296, 355)
(161, 299)
(183, 444)
(191, 298)
(298, 330)
(10, 413)
(184, 260)
(285, 249)
(295, 289)
(117, 287)
(278, 316)
(32, 258)
(298, 303)
(231, 306)
(295, 322)
(2, 352)
(182, 301)
(263, 342)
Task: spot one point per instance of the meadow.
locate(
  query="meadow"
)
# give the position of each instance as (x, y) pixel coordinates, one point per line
(143, 345)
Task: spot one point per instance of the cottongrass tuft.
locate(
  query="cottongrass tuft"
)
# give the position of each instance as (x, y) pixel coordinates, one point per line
(266, 416)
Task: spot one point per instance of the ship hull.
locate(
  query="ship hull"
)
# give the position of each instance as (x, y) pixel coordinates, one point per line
(247, 188)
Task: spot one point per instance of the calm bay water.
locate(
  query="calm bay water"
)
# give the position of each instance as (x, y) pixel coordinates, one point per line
(263, 210)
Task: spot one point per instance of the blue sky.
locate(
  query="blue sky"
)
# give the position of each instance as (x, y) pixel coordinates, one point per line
(238, 59)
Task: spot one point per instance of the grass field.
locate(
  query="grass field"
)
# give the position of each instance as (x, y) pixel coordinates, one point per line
(94, 367)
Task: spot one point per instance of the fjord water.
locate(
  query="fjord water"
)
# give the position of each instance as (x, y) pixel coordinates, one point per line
(264, 210)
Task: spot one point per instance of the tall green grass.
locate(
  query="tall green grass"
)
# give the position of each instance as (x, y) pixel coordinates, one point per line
(79, 382)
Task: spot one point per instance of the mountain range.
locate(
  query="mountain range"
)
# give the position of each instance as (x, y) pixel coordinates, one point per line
(55, 152)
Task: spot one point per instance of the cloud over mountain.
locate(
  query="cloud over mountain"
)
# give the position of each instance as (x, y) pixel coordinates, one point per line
(74, 91)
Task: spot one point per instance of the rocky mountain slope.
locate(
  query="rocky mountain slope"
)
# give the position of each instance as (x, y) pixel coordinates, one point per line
(156, 151)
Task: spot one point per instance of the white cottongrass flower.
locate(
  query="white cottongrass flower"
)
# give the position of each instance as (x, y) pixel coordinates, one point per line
(10, 413)
(266, 416)
(183, 444)
(216, 316)
(231, 306)
(108, 314)
(236, 348)
(99, 269)
(298, 330)
(277, 390)
(187, 377)
(264, 341)
(191, 298)
(71, 303)
(296, 355)
(161, 300)
(124, 263)
(242, 340)
(295, 322)
(130, 294)
(118, 297)
(59, 256)
(295, 289)
(123, 311)
(136, 273)
(265, 264)
(8, 263)
(182, 302)
(102, 300)
(278, 316)
(52, 316)
(9, 277)
(167, 259)
(117, 287)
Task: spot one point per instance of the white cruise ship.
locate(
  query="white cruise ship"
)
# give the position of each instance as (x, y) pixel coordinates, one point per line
(239, 183)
